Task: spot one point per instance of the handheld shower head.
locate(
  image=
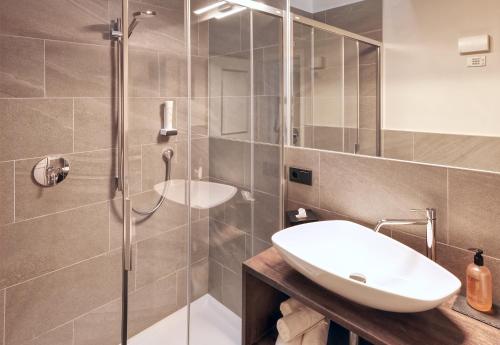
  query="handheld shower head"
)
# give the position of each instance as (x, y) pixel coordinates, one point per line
(139, 16)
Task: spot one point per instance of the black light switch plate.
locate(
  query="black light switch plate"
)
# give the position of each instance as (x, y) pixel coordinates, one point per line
(300, 176)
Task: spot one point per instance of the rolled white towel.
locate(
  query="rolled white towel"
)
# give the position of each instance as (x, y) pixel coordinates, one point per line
(318, 335)
(289, 306)
(297, 323)
(294, 341)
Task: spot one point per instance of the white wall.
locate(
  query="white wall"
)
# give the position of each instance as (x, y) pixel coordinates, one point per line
(427, 86)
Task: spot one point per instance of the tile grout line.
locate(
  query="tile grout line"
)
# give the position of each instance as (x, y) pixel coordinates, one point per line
(73, 125)
(4, 313)
(44, 69)
(14, 191)
(447, 206)
(58, 212)
(74, 332)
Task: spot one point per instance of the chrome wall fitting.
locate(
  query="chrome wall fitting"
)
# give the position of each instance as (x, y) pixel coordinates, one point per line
(51, 171)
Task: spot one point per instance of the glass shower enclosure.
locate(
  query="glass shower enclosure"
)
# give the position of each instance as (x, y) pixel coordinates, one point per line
(200, 150)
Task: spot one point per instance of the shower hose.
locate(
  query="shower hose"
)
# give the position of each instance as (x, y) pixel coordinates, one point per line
(167, 156)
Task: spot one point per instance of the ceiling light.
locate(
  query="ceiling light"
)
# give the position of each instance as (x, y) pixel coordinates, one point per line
(209, 7)
(234, 10)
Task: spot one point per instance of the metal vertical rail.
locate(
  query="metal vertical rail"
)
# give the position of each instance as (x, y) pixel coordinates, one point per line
(252, 135)
(127, 207)
(378, 130)
(187, 30)
(358, 100)
(286, 114)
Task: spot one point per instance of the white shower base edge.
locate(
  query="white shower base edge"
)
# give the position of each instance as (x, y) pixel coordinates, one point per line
(211, 324)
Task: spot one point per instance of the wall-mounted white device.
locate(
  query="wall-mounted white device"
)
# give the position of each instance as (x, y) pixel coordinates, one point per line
(476, 61)
(168, 115)
(474, 44)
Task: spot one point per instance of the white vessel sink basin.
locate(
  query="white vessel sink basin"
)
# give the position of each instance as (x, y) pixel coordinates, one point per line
(366, 267)
(204, 195)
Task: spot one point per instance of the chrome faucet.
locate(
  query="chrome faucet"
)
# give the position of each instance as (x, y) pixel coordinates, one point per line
(429, 222)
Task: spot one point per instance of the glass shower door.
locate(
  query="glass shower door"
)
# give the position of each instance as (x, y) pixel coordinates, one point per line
(154, 146)
(238, 105)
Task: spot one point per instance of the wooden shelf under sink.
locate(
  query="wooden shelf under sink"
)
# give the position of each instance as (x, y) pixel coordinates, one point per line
(268, 280)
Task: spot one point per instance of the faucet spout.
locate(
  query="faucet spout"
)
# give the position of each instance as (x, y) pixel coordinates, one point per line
(429, 221)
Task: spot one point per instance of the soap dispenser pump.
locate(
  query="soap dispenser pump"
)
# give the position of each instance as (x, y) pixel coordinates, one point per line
(479, 284)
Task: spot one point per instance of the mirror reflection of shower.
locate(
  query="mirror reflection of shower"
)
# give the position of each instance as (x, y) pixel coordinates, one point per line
(138, 17)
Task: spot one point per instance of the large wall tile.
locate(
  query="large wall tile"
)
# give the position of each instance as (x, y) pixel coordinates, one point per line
(237, 212)
(266, 215)
(199, 240)
(466, 151)
(369, 189)
(232, 291)
(303, 159)
(101, 326)
(198, 282)
(227, 245)
(34, 247)
(91, 180)
(152, 303)
(146, 306)
(77, 21)
(78, 70)
(165, 31)
(7, 192)
(46, 126)
(329, 138)
(229, 160)
(267, 119)
(173, 75)
(199, 76)
(456, 261)
(144, 73)
(161, 255)
(473, 215)
(21, 67)
(95, 124)
(39, 305)
(215, 280)
(397, 145)
(360, 17)
(225, 35)
(267, 168)
(62, 335)
(2, 313)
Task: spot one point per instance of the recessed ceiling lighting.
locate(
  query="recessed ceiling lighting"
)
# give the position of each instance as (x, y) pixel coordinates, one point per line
(230, 12)
(209, 7)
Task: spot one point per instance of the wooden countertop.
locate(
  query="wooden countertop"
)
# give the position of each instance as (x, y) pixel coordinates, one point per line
(440, 326)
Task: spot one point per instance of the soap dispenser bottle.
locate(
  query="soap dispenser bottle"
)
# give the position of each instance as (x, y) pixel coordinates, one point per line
(479, 285)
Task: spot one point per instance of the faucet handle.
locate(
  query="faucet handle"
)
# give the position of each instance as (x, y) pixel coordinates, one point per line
(430, 213)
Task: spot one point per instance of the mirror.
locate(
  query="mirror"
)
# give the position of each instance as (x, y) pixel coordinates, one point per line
(405, 79)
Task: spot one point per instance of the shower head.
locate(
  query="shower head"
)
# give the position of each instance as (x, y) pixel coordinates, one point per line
(139, 16)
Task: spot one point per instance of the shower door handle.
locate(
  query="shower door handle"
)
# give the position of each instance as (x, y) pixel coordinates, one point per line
(127, 235)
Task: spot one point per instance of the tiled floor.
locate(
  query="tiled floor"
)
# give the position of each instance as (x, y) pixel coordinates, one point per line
(211, 323)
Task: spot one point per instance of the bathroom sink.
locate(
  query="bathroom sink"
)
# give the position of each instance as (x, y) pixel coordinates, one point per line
(204, 194)
(366, 267)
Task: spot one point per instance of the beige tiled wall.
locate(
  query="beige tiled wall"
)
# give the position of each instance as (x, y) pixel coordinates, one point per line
(366, 189)
(60, 248)
(241, 228)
